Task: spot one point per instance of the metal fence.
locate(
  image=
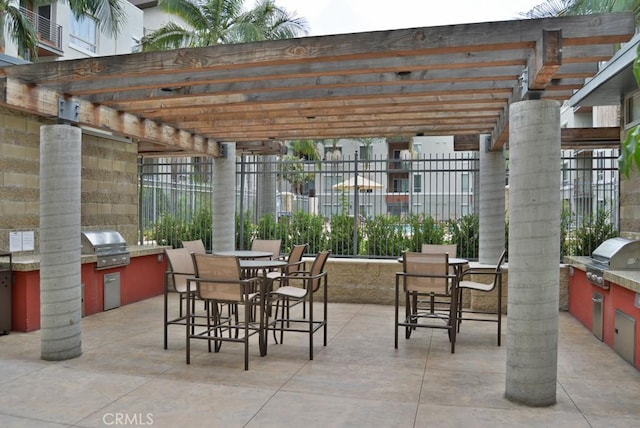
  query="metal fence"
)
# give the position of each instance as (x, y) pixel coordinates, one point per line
(363, 207)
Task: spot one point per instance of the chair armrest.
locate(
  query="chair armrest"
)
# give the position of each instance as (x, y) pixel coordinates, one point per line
(420, 275)
(488, 271)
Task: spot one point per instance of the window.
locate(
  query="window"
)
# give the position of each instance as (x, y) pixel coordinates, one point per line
(366, 152)
(333, 180)
(464, 183)
(417, 183)
(332, 153)
(83, 33)
(600, 165)
(565, 172)
(632, 110)
(400, 185)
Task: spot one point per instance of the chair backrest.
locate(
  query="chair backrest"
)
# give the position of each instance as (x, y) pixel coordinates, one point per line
(219, 277)
(426, 273)
(270, 245)
(181, 268)
(440, 248)
(317, 268)
(294, 262)
(450, 249)
(196, 247)
(501, 259)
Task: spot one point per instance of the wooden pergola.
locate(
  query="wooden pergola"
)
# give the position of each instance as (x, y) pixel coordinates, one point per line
(448, 80)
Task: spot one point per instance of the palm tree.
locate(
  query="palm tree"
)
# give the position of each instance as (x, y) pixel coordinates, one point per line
(551, 8)
(109, 13)
(21, 30)
(212, 22)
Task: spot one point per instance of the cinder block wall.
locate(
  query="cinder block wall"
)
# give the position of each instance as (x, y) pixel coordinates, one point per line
(630, 205)
(373, 281)
(109, 177)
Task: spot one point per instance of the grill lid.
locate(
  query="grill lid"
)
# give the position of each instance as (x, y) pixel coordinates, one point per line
(618, 253)
(101, 241)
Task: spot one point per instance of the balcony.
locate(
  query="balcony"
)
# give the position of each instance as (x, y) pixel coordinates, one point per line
(49, 34)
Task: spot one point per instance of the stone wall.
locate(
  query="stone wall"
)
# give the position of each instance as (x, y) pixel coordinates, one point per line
(373, 281)
(630, 205)
(109, 177)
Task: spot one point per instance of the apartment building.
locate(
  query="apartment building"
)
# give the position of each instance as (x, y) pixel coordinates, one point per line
(63, 36)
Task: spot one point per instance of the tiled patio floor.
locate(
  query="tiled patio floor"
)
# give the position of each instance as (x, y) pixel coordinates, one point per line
(358, 380)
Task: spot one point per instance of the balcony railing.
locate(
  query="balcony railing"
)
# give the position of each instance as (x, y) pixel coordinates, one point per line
(49, 33)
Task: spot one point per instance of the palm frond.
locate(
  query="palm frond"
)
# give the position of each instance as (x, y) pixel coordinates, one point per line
(110, 14)
(170, 36)
(20, 30)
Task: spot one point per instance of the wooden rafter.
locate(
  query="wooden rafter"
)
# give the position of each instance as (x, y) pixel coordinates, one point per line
(448, 80)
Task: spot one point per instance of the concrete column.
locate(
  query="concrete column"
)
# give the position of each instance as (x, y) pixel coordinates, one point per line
(534, 252)
(223, 208)
(60, 279)
(266, 187)
(491, 201)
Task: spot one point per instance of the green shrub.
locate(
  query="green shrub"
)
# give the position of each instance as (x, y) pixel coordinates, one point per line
(465, 233)
(424, 230)
(594, 232)
(169, 230)
(341, 235)
(248, 230)
(305, 228)
(385, 236)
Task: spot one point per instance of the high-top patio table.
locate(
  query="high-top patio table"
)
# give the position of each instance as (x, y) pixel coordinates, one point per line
(245, 254)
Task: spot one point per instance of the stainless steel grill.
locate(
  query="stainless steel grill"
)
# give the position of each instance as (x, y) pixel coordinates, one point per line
(108, 245)
(613, 254)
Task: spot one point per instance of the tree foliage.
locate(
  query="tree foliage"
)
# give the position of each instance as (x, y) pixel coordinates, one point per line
(214, 22)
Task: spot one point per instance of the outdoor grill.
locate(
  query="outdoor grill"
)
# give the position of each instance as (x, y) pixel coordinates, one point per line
(612, 254)
(108, 245)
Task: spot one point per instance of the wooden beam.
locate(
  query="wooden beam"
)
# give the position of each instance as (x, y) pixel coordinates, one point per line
(44, 102)
(580, 138)
(467, 142)
(477, 37)
(547, 60)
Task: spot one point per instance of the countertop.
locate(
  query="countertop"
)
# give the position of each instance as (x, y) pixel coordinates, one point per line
(629, 279)
(32, 262)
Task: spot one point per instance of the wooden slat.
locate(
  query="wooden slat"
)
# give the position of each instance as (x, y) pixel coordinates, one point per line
(447, 80)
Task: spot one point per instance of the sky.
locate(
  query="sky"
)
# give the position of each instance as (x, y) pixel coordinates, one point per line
(351, 16)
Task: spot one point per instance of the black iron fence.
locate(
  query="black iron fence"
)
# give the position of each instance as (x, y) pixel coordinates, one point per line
(363, 207)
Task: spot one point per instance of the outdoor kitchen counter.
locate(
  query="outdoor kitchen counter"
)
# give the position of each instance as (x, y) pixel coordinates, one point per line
(32, 262)
(629, 279)
(142, 278)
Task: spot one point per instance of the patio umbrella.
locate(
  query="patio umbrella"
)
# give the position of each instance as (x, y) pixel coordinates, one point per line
(363, 184)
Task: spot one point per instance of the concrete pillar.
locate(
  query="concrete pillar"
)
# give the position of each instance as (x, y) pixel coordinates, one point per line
(60, 263)
(491, 201)
(534, 252)
(223, 210)
(266, 187)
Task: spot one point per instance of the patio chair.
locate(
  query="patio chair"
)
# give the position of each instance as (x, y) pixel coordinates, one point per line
(196, 247)
(426, 277)
(301, 286)
(270, 245)
(450, 249)
(295, 264)
(219, 281)
(494, 276)
(181, 269)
